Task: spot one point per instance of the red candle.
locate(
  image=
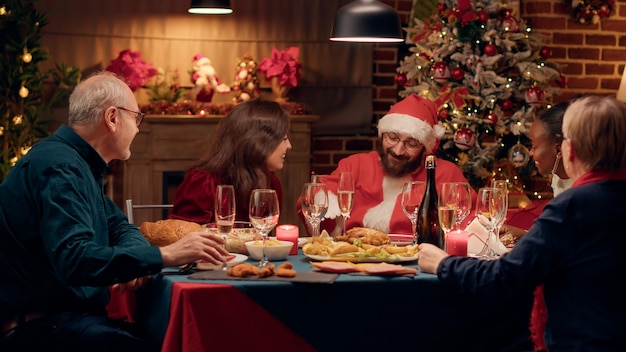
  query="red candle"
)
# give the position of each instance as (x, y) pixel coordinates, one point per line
(456, 243)
(289, 233)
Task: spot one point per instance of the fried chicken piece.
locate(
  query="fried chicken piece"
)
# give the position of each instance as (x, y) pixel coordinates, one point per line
(266, 271)
(285, 270)
(365, 235)
(243, 270)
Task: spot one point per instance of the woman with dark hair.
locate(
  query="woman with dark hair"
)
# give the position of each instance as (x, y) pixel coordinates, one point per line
(546, 136)
(249, 145)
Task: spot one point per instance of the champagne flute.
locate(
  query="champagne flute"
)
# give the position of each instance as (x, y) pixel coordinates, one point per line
(412, 194)
(502, 184)
(314, 204)
(224, 212)
(264, 212)
(345, 195)
(462, 199)
(447, 208)
(490, 207)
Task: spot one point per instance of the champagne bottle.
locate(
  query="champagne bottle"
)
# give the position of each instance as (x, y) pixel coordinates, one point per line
(428, 230)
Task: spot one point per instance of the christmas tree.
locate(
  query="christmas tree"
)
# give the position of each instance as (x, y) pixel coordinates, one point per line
(25, 106)
(489, 73)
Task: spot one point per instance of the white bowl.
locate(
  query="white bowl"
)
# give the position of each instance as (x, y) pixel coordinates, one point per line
(273, 251)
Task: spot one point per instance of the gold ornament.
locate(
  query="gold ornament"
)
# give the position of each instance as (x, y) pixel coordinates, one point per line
(17, 120)
(3, 11)
(23, 92)
(1, 130)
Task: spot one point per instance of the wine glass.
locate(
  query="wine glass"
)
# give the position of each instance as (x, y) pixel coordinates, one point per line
(224, 212)
(412, 194)
(447, 208)
(345, 195)
(502, 184)
(264, 212)
(461, 197)
(490, 208)
(314, 204)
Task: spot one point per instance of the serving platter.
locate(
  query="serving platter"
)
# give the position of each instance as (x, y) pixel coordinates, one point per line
(400, 239)
(357, 258)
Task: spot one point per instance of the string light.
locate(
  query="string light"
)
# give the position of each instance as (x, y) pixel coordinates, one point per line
(23, 92)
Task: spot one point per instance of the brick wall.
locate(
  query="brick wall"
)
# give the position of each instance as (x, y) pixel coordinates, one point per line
(594, 56)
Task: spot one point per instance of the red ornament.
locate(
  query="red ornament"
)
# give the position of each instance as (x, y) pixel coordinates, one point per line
(535, 95)
(492, 118)
(401, 79)
(562, 81)
(490, 50)
(457, 73)
(442, 114)
(545, 53)
(440, 72)
(506, 105)
(483, 16)
(457, 12)
(464, 138)
(509, 23)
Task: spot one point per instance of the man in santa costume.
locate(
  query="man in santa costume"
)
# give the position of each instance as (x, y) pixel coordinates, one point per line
(407, 133)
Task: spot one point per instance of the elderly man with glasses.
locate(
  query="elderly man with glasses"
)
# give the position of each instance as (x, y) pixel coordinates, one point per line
(407, 133)
(63, 243)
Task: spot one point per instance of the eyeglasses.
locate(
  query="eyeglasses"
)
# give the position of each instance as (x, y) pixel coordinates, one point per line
(138, 117)
(409, 144)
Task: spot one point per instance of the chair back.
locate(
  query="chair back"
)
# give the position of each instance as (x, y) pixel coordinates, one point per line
(130, 209)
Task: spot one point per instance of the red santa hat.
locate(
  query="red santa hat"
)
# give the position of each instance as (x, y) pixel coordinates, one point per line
(415, 116)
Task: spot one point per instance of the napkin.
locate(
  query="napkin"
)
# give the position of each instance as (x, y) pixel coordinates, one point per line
(366, 268)
(478, 238)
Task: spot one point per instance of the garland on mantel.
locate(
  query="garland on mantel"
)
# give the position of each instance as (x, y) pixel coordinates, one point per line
(191, 108)
(591, 11)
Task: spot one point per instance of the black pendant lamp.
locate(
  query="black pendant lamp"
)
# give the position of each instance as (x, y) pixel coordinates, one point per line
(367, 21)
(210, 7)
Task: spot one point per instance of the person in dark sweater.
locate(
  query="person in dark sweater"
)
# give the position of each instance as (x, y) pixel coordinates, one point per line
(64, 244)
(574, 248)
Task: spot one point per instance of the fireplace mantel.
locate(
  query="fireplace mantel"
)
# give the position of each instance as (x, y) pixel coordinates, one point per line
(169, 144)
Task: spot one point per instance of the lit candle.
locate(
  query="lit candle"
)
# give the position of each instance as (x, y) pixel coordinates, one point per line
(288, 233)
(456, 243)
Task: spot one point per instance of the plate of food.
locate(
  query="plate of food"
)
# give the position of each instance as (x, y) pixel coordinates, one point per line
(357, 258)
(359, 245)
(232, 259)
(400, 239)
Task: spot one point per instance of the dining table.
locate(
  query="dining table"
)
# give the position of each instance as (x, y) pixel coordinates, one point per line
(316, 311)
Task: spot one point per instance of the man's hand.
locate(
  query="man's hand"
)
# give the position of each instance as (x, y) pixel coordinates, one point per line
(429, 257)
(193, 247)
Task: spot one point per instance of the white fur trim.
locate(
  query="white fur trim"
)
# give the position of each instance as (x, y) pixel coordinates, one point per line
(379, 216)
(413, 126)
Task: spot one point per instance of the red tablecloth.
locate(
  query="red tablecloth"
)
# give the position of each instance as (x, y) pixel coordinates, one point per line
(249, 326)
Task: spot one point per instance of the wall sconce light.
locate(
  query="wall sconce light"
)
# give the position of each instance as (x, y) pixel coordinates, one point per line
(621, 91)
(367, 21)
(210, 7)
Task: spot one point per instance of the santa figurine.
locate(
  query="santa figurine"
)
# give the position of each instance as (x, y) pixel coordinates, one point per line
(205, 80)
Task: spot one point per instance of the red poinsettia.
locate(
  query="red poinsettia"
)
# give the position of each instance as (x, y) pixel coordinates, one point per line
(130, 65)
(284, 65)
